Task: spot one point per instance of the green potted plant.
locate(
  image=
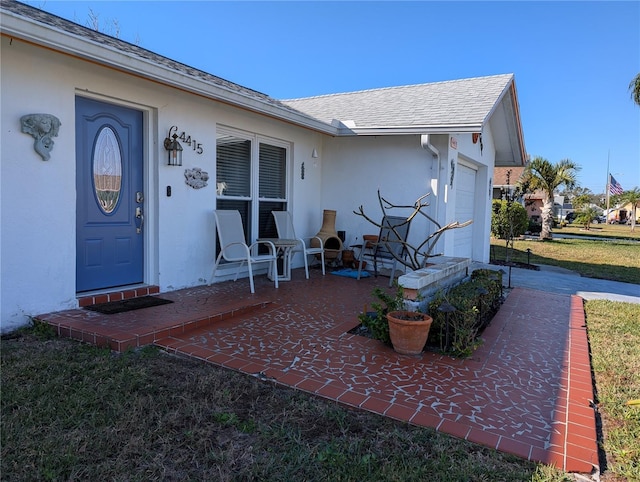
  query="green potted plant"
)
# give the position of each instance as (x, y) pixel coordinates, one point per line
(407, 331)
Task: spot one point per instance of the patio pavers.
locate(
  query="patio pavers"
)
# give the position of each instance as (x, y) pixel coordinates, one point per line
(527, 390)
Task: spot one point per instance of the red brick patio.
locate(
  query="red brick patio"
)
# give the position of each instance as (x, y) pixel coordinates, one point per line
(525, 391)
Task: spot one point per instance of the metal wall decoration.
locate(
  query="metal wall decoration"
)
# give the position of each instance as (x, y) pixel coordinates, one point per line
(475, 137)
(196, 177)
(42, 127)
(186, 139)
(453, 172)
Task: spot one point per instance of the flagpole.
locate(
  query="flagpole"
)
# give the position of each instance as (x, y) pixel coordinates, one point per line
(608, 187)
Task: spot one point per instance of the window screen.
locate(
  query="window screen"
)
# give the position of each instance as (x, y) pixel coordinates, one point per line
(273, 161)
(233, 166)
(251, 176)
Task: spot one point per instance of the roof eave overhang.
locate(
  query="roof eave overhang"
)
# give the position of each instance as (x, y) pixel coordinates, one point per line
(49, 37)
(409, 130)
(508, 99)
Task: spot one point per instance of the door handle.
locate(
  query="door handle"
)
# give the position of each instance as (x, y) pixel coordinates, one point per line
(139, 216)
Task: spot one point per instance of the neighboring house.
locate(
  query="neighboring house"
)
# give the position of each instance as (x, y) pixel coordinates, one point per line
(90, 203)
(562, 208)
(533, 203)
(621, 214)
(505, 180)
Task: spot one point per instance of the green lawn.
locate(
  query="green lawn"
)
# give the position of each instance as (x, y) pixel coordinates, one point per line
(614, 337)
(74, 412)
(613, 328)
(601, 230)
(617, 260)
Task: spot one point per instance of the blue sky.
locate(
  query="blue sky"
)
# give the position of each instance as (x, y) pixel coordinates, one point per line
(572, 61)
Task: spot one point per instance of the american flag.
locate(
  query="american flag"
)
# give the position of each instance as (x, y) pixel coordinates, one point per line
(614, 186)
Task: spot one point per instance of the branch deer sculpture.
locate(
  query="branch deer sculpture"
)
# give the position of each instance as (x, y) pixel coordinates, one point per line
(416, 256)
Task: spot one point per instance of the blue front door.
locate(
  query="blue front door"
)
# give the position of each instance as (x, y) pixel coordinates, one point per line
(110, 199)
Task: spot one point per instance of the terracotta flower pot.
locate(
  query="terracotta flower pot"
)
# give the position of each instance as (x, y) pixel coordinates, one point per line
(408, 331)
(370, 239)
(347, 258)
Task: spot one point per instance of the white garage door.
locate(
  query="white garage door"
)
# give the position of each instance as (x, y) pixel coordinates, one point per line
(465, 201)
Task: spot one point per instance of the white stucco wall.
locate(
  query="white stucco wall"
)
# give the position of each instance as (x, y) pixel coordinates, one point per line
(38, 198)
(356, 168)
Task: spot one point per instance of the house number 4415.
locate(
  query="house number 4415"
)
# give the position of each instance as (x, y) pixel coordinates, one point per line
(187, 139)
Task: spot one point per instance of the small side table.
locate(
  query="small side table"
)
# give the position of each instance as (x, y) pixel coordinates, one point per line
(284, 248)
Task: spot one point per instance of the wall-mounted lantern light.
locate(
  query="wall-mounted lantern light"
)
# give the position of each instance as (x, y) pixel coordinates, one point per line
(174, 150)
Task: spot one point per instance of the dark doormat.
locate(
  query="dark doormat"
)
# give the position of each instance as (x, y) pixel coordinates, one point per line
(114, 307)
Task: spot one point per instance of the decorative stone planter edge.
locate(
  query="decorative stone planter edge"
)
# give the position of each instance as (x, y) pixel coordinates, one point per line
(421, 285)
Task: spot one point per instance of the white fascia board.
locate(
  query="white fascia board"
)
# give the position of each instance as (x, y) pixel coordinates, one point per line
(512, 107)
(80, 47)
(411, 130)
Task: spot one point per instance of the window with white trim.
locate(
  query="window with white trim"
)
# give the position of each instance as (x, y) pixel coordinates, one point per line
(251, 177)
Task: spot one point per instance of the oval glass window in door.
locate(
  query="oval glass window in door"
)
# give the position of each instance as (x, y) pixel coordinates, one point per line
(107, 169)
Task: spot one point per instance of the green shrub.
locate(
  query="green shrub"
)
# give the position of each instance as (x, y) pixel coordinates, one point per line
(376, 320)
(506, 215)
(534, 227)
(476, 302)
(586, 216)
(491, 280)
(42, 330)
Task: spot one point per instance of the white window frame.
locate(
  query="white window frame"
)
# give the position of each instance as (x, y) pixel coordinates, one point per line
(254, 198)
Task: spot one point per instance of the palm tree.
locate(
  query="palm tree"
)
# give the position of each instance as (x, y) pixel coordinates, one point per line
(586, 216)
(633, 197)
(541, 175)
(634, 87)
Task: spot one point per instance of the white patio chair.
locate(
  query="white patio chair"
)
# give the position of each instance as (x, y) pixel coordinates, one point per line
(234, 246)
(284, 226)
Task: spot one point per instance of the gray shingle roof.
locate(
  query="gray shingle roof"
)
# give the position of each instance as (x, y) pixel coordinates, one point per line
(449, 103)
